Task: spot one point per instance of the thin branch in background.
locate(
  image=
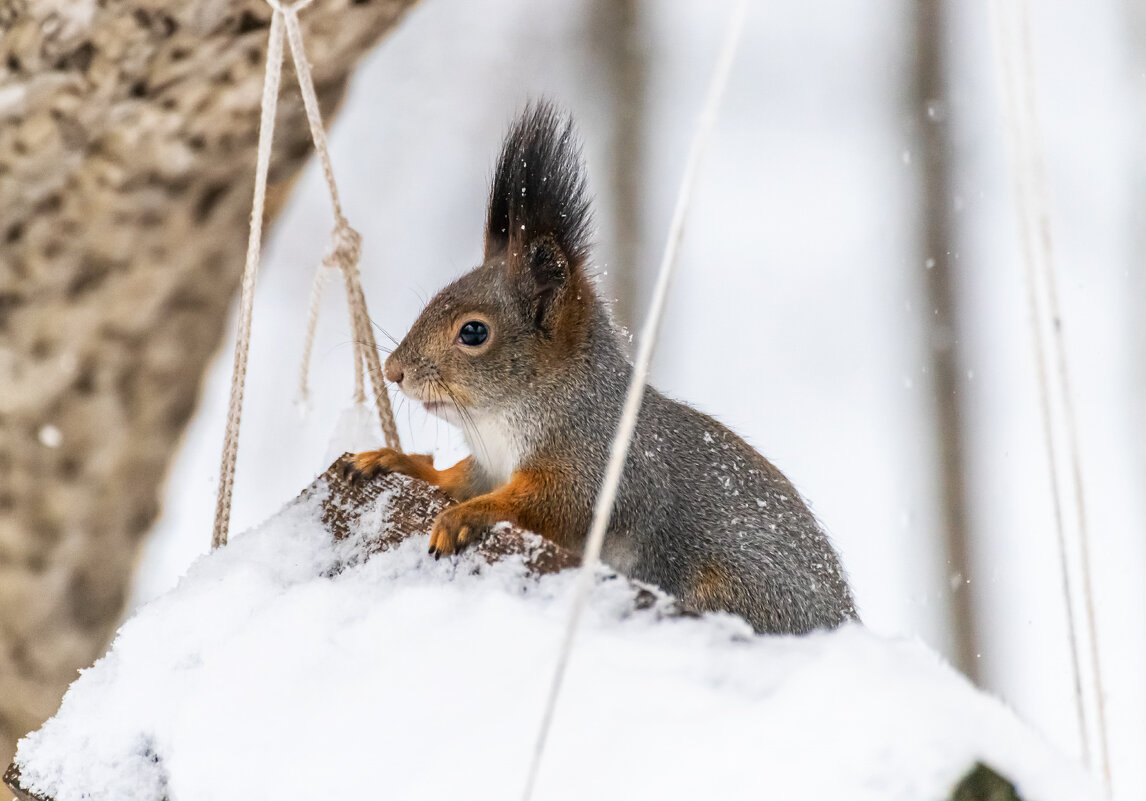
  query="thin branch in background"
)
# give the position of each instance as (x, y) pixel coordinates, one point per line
(603, 508)
(618, 31)
(930, 110)
(1012, 35)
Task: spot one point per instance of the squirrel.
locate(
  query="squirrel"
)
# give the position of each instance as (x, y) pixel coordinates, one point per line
(523, 356)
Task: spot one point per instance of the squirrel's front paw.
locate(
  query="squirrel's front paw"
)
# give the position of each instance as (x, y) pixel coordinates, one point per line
(368, 464)
(455, 529)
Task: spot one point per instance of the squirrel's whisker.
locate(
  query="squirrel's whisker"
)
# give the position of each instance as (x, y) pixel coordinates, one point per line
(384, 333)
(467, 421)
(376, 346)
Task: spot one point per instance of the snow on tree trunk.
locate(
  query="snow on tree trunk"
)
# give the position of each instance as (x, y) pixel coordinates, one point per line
(127, 142)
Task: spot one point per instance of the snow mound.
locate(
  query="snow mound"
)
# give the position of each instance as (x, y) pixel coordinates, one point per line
(288, 665)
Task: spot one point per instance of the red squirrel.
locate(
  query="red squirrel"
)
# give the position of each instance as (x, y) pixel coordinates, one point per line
(523, 356)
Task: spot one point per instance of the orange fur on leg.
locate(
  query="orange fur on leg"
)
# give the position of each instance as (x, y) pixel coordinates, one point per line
(456, 481)
(515, 502)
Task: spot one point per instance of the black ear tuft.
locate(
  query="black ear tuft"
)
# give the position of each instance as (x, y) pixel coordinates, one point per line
(539, 188)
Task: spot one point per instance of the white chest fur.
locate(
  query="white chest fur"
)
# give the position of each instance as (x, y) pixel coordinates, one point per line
(494, 446)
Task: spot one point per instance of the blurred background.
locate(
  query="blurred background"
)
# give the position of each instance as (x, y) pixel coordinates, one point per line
(849, 296)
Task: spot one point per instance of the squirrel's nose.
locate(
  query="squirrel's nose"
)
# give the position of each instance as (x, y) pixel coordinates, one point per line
(393, 372)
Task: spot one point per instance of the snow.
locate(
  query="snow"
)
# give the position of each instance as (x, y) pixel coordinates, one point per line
(288, 665)
(796, 316)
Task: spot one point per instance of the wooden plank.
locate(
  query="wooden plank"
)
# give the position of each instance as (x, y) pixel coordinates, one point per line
(413, 507)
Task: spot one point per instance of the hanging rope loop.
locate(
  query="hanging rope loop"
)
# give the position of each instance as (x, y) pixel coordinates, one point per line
(343, 256)
(344, 253)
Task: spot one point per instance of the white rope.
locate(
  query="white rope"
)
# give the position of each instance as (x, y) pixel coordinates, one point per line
(346, 248)
(318, 284)
(250, 270)
(620, 449)
(1033, 210)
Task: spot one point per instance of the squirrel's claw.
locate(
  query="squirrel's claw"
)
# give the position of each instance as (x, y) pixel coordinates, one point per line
(368, 464)
(453, 531)
(346, 469)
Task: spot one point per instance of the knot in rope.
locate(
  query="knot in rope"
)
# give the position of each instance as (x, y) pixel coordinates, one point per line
(346, 248)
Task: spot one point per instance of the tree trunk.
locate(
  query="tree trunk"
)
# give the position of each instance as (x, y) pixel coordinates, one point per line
(618, 50)
(945, 343)
(127, 148)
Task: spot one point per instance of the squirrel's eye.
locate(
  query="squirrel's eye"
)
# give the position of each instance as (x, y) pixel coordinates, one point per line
(473, 333)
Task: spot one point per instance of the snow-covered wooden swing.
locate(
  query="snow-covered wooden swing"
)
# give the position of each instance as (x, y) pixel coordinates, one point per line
(298, 660)
(312, 651)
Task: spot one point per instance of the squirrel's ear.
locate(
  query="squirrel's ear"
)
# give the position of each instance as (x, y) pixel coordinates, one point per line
(540, 272)
(539, 210)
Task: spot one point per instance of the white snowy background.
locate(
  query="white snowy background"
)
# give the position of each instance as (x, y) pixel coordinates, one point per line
(796, 317)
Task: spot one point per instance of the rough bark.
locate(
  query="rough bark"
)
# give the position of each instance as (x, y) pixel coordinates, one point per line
(127, 139)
